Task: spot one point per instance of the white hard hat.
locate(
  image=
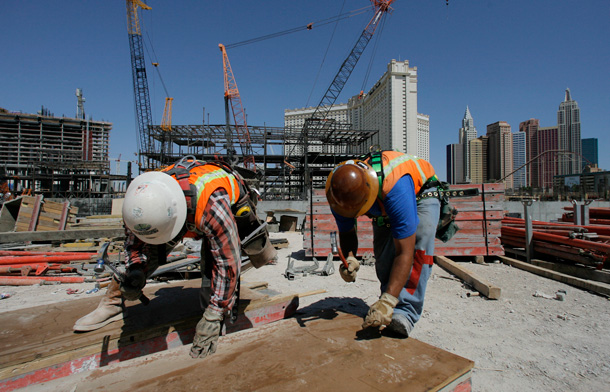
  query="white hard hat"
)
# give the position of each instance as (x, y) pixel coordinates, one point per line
(154, 208)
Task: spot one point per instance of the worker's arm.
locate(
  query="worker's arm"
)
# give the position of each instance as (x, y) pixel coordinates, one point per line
(136, 265)
(221, 231)
(348, 243)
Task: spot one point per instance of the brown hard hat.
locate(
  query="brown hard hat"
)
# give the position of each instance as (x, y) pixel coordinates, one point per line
(351, 188)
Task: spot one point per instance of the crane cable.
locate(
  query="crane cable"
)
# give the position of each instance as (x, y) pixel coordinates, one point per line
(155, 62)
(375, 46)
(324, 58)
(308, 26)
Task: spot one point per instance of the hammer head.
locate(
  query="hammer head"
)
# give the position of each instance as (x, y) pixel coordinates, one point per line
(333, 242)
(102, 257)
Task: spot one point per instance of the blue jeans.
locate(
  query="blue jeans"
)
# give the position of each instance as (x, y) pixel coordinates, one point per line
(411, 298)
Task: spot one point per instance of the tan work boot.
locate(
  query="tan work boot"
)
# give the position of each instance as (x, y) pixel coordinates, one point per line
(110, 309)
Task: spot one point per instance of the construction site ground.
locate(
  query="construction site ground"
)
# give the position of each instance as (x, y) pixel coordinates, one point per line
(522, 341)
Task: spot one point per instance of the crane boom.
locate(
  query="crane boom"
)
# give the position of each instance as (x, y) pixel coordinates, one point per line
(316, 124)
(140, 81)
(239, 115)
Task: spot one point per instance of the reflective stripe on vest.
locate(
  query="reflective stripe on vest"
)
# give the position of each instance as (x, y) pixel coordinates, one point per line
(397, 164)
(207, 179)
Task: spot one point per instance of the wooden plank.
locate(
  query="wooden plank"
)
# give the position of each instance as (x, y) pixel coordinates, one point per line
(488, 290)
(583, 272)
(599, 288)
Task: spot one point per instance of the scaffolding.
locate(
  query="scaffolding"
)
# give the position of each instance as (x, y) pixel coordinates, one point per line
(279, 152)
(57, 157)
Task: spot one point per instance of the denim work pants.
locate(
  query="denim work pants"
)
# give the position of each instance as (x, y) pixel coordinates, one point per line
(411, 298)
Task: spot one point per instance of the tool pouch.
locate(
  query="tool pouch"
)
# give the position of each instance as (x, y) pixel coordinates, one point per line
(258, 248)
(447, 227)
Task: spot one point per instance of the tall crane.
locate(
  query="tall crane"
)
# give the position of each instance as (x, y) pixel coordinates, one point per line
(233, 98)
(140, 82)
(317, 125)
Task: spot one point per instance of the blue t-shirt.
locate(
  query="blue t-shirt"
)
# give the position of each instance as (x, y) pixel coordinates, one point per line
(400, 206)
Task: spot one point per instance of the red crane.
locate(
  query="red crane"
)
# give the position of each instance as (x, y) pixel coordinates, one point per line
(233, 98)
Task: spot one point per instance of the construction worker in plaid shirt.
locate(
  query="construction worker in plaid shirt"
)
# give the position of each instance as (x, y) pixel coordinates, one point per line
(189, 199)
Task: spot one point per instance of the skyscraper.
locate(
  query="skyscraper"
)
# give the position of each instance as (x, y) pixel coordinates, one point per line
(390, 107)
(547, 163)
(530, 128)
(478, 159)
(468, 132)
(568, 124)
(423, 136)
(589, 151)
(455, 162)
(500, 155)
(519, 159)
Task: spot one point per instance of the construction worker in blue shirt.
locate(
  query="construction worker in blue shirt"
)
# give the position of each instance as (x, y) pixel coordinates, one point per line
(385, 186)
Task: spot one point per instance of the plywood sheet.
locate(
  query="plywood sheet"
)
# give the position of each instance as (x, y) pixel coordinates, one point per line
(322, 352)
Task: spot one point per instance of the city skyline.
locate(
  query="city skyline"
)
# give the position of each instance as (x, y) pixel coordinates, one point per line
(467, 54)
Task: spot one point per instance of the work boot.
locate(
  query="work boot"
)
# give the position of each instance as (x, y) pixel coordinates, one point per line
(400, 325)
(110, 309)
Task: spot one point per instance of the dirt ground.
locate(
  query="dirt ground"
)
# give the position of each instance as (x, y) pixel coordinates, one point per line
(520, 342)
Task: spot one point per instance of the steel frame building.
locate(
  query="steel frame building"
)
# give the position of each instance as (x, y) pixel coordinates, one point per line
(57, 157)
(279, 153)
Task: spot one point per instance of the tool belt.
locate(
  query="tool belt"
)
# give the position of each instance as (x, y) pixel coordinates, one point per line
(448, 193)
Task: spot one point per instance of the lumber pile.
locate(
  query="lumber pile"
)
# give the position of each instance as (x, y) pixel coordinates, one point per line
(479, 220)
(32, 213)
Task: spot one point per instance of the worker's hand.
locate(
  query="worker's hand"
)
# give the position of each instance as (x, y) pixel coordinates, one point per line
(135, 280)
(380, 313)
(206, 334)
(349, 274)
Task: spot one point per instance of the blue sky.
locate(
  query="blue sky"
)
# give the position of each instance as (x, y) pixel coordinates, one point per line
(507, 60)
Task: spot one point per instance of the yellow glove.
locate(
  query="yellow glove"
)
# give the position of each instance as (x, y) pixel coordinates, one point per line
(380, 313)
(349, 274)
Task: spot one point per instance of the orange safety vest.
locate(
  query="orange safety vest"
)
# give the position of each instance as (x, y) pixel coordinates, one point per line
(206, 179)
(397, 164)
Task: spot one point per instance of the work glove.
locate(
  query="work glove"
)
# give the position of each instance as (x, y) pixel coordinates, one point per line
(349, 274)
(133, 283)
(380, 313)
(206, 334)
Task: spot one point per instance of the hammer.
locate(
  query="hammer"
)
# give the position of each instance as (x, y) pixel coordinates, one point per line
(335, 249)
(102, 261)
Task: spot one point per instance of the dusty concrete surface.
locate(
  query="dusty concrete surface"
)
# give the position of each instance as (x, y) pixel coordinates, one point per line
(519, 342)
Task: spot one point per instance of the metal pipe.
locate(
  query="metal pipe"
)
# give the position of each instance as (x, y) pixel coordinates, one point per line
(36, 253)
(598, 246)
(7, 260)
(21, 280)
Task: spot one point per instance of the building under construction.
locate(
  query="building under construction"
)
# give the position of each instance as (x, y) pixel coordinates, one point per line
(68, 158)
(278, 154)
(57, 157)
